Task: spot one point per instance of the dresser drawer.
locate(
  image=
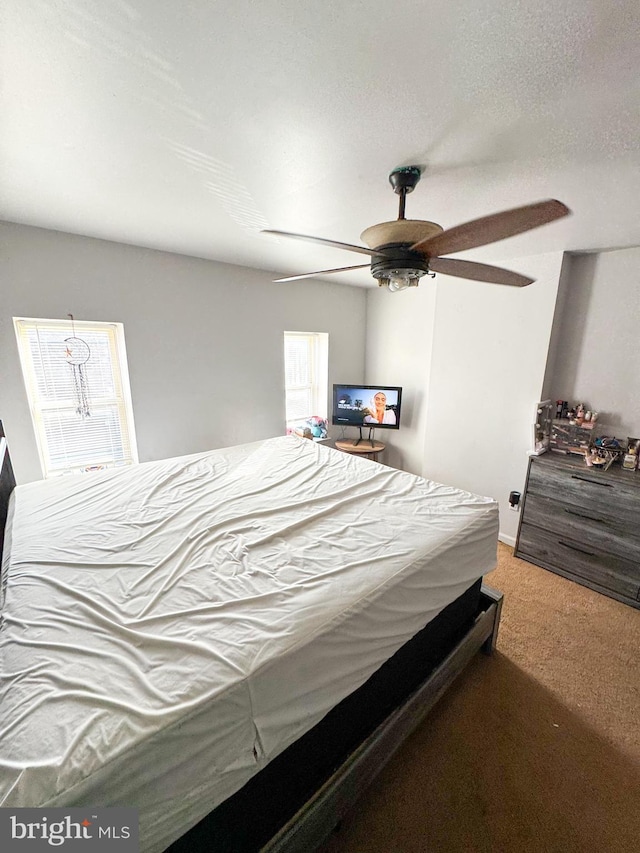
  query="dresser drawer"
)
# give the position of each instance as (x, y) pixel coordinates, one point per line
(608, 498)
(565, 555)
(585, 525)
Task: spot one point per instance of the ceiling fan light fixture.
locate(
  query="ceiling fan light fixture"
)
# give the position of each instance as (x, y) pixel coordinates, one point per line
(402, 279)
(400, 270)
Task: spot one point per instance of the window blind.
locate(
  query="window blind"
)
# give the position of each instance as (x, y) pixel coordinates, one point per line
(299, 374)
(305, 375)
(66, 440)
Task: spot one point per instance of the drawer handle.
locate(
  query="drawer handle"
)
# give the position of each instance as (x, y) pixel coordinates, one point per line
(573, 548)
(582, 515)
(593, 482)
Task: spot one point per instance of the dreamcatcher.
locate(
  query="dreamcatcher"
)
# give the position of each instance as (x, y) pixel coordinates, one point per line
(77, 354)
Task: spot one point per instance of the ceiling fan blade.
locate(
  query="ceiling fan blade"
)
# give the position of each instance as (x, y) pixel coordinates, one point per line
(478, 272)
(361, 249)
(321, 272)
(489, 229)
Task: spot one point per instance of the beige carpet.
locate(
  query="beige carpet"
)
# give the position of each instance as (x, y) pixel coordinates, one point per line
(534, 749)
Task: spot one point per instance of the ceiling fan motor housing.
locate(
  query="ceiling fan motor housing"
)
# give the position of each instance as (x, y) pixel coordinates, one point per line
(406, 231)
(395, 240)
(398, 260)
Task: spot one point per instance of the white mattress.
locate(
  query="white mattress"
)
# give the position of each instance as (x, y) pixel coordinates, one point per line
(169, 628)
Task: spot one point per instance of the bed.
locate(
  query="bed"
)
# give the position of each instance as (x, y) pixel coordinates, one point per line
(232, 642)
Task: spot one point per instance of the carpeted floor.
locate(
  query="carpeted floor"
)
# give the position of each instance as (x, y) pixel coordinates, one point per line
(534, 750)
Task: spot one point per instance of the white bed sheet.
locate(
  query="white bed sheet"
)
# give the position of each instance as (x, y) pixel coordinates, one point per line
(167, 629)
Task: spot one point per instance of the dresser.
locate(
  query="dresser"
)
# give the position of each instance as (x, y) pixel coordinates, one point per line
(583, 523)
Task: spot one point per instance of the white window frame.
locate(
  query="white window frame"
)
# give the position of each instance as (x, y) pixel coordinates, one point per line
(318, 350)
(120, 401)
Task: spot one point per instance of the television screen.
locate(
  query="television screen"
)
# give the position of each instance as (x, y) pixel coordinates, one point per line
(374, 406)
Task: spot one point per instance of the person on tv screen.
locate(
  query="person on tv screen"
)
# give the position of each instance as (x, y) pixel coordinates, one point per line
(378, 412)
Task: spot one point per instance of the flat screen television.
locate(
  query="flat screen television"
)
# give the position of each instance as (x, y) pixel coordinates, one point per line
(371, 406)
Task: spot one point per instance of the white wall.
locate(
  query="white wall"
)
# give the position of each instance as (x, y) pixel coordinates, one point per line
(598, 328)
(399, 342)
(475, 371)
(204, 340)
(489, 356)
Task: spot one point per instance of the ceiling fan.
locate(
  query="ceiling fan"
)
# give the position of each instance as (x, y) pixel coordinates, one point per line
(405, 250)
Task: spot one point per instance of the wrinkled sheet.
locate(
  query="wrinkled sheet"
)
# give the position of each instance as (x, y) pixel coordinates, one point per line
(169, 628)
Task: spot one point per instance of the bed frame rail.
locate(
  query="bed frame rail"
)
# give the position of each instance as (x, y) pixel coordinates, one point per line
(318, 817)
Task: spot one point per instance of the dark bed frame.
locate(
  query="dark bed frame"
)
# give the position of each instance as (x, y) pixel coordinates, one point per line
(7, 482)
(295, 802)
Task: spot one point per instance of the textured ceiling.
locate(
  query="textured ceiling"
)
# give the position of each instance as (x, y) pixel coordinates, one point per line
(190, 126)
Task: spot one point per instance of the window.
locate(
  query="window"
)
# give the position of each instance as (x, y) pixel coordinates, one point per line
(306, 358)
(81, 412)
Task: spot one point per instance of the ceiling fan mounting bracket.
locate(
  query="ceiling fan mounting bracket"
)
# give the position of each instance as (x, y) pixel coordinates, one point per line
(405, 178)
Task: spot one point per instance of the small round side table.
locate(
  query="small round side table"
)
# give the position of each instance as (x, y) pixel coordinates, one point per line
(364, 448)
